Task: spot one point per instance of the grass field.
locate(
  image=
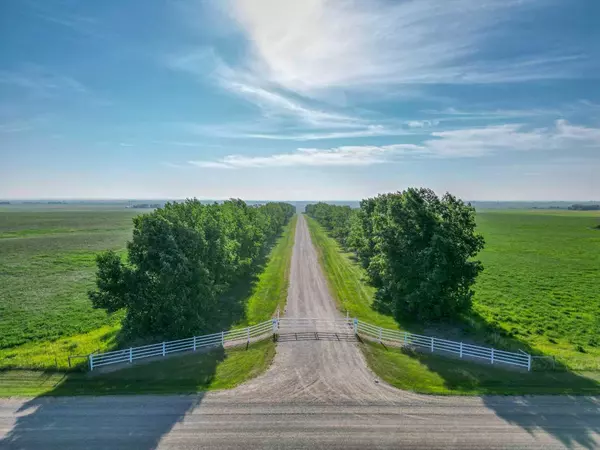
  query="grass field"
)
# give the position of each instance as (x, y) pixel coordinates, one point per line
(47, 264)
(185, 374)
(45, 275)
(541, 282)
(347, 283)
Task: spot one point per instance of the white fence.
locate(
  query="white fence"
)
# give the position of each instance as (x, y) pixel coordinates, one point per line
(269, 327)
(128, 355)
(433, 344)
(293, 324)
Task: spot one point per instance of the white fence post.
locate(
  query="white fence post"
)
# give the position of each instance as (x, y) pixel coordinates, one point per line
(432, 339)
(492, 356)
(405, 337)
(194, 343)
(164, 349)
(274, 326)
(248, 334)
(355, 325)
(529, 363)
(223, 338)
(130, 354)
(380, 331)
(461, 349)
(91, 362)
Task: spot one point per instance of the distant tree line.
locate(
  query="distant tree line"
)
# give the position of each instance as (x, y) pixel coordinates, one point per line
(145, 205)
(584, 207)
(181, 258)
(417, 249)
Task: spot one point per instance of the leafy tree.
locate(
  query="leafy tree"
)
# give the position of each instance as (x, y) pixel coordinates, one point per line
(180, 260)
(417, 249)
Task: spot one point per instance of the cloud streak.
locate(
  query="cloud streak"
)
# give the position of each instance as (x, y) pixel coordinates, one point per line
(465, 143)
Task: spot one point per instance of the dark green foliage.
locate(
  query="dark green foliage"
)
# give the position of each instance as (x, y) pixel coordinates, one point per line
(417, 249)
(336, 219)
(181, 259)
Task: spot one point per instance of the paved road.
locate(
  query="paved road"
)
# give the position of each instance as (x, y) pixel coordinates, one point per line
(317, 394)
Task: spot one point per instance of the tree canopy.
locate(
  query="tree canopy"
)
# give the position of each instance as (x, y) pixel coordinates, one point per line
(179, 261)
(417, 249)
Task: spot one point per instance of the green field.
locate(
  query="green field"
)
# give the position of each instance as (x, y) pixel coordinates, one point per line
(47, 265)
(541, 281)
(558, 250)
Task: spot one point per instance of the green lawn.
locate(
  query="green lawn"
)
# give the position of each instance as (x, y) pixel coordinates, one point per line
(515, 241)
(189, 373)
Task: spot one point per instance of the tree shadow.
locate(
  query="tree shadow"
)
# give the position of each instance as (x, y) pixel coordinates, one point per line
(85, 408)
(96, 422)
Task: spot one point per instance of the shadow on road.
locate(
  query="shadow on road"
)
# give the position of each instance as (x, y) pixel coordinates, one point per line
(573, 420)
(96, 422)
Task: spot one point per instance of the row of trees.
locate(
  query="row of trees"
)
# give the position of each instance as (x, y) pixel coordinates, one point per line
(181, 258)
(417, 250)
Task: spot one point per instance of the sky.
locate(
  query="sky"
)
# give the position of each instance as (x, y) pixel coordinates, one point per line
(297, 100)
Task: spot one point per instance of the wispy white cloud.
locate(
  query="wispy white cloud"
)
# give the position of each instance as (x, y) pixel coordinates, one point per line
(465, 143)
(278, 105)
(338, 156)
(316, 45)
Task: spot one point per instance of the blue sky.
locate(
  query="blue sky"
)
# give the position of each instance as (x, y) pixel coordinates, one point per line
(273, 99)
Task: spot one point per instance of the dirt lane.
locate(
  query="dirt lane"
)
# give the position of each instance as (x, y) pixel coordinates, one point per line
(323, 371)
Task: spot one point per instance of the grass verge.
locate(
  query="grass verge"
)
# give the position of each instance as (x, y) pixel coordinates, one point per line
(270, 291)
(189, 373)
(346, 279)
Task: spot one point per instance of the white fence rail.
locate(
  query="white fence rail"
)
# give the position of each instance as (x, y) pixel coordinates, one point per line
(128, 355)
(269, 327)
(433, 344)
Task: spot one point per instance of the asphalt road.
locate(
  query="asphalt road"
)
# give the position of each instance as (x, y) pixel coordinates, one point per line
(317, 394)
